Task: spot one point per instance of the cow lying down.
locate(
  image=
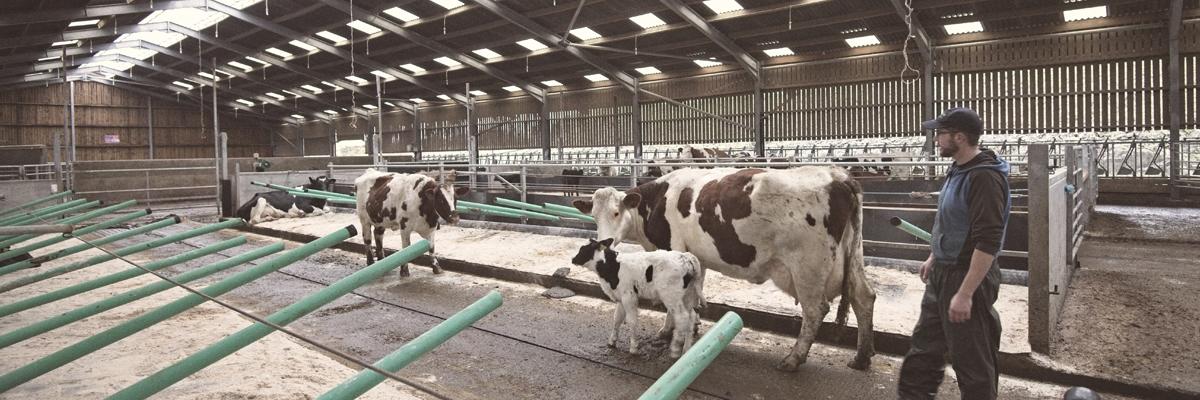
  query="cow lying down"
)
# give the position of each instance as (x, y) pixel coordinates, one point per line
(269, 206)
(672, 278)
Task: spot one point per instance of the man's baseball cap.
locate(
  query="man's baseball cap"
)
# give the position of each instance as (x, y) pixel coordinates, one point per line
(959, 119)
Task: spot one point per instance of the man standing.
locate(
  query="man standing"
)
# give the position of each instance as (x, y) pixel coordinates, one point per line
(961, 275)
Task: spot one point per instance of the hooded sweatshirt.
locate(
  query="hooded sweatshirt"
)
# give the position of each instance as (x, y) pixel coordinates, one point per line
(972, 210)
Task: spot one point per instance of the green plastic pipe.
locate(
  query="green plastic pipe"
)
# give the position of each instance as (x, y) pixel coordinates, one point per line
(327, 193)
(58, 321)
(411, 351)
(22, 207)
(331, 199)
(519, 204)
(27, 213)
(121, 252)
(168, 221)
(98, 341)
(78, 232)
(489, 212)
(681, 374)
(911, 229)
(530, 214)
(569, 210)
(232, 343)
(272, 186)
(115, 277)
(73, 220)
(49, 212)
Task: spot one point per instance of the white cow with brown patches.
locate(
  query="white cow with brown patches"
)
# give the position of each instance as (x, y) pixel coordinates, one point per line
(407, 203)
(801, 228)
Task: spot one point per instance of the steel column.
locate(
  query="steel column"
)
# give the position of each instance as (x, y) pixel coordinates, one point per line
(150, 123)
(1174, 90)
(544, 129)
(760, 120)
(636, 124)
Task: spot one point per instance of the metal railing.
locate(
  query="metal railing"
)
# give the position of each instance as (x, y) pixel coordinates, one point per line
(26, 172)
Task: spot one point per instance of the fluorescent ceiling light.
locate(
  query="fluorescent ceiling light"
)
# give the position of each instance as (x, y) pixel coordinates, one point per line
(552, 83)
(279, 52)
(222, 72)
(511, 89)
(333, 37)
(647, 20)
(722, 6)
(358, 81)
(277, 96)
(183, 85)
(297, 116)
(965, 27)
(86, 22)
(390, 104)
(364, 27)
(532, 44)
(448, 4)
(417, 100)
(706, 63)
(331, 112)
(47, 58)
(386, 76)
(416, 69)
(312, 88)
(241, 66)
(861, 41)
(303, 46)
(778, 52)
(206, 75)
(246, 102)
(369, 106)
(290, 92)
(596, 77)
(486, 53)
(65, 43)
(335, 87)
(1085, 13)
(401, 14)
(257, 60)
(647, 70)
(479, 93)
(585, 33)
(443, 97)
(447, 61)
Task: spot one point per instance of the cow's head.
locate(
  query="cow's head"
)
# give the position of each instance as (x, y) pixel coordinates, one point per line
(321, 183)
(444, 196)
(615, 213)
(592, 252)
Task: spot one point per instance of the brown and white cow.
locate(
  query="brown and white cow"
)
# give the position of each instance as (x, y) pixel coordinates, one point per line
(687, 154)
(801, 228)
(405, 202)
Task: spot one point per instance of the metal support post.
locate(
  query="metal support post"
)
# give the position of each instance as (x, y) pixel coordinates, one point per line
(418, 131)
(544, 128)
(1174, 90)
(216, 134)
(760, 122)
(636, 122)
(150, 124)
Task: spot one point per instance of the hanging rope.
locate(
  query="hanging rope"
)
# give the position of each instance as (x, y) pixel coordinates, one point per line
(353, 101)
(907, 38)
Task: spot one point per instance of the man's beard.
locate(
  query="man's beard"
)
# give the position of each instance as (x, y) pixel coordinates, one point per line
(949, 150)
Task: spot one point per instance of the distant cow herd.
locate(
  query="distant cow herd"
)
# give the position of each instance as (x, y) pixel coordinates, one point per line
(800, 228)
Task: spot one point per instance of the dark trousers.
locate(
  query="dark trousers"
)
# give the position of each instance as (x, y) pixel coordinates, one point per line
(972, 347)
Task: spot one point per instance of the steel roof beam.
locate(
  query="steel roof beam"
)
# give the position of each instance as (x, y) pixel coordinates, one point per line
(83, 34)
(65, 14)
(749, 63)
(74, 51)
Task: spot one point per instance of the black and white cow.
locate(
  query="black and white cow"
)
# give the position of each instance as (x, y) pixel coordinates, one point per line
(407, 203)
(672, 278)
(801, 228)
(268, 206)
(686, 154)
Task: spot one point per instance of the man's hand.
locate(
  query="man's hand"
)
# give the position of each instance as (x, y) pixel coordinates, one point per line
(960, 308)
(926, 267)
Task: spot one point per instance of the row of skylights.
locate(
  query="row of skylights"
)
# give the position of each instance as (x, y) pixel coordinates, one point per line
(196, 19)
(1085, 13)
(364, 27)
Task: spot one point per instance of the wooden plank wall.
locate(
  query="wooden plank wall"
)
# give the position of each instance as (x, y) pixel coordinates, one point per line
(34, 115)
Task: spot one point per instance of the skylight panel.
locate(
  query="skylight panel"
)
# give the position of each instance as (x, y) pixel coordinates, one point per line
(532, 44)
(206, 75)
(511, 89)
(311, 88)
(596, 77)
(364, 27)
(293, 94)
(862, 41)
(303, 46)
(647, 70)
(965, 27)
(479, 93)
(486, 53)
(333, 37)
(386, 76)
(278, 52)
(358, 81)
(585, 33)
(447, 61)
(335, 87)
(369, 106)
(443, 97)
(183, 85)
(552, 83)
(248, 103)
(83, 23)
(331, 112)
(418, 100)
(390, 104)
(257, 60)
(416, 69)
(47, 58)
(401, 14)
(222, 72)
(277, 96)
(241, 66)
(706, 63)
(778, 52)
(1080, 14)
(722, 6)
(297, 116)
(65, 43)
(448, 4)
(647, 20)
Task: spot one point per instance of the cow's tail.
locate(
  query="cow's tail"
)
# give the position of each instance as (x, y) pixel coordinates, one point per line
(698, 285)
(244, 211)
(851, 249)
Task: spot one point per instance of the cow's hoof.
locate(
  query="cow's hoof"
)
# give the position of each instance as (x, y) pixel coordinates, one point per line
(791, 363)
(676, 353)
(612, 343)
(860, 363)
(437, 270)
(404, 272)
(664, 333)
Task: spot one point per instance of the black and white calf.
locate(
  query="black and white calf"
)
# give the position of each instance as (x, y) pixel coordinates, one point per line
(672, 278)
(279, 204)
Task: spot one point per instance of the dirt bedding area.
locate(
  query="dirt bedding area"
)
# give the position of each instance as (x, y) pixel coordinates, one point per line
(1132, 311)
